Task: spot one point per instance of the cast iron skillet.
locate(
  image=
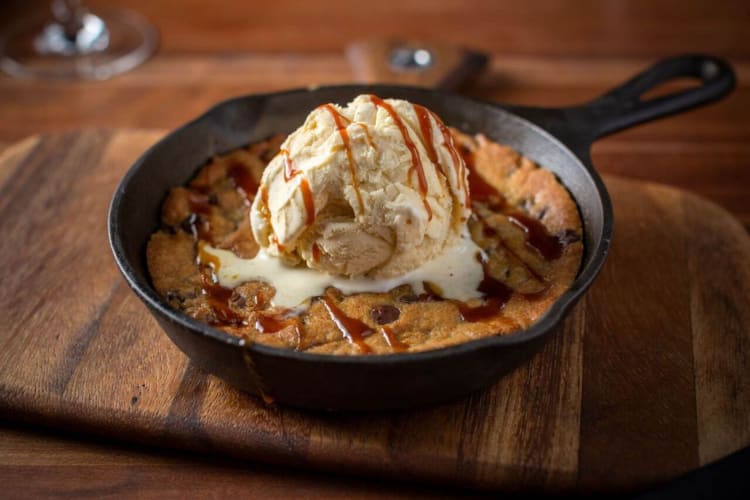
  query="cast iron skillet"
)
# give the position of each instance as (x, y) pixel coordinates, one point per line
(556, 138)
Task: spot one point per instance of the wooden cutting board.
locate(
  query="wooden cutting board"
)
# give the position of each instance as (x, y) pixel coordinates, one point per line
(648, 378)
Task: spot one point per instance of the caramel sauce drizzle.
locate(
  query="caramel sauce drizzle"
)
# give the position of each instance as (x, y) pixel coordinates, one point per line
(275, 323)
(275, 240)
(392, 341)
(498, 294)
(491, 307)
(341, 127)
(352, 329)
(457, 160)
(423, 116)
(307, 197)
(289, 171)
(218, 298)
(416, 162)
(537, 237)
(368, 136)
(207, 259)
(243, 180)
(489, 231)
(315, 252)
(265, 212)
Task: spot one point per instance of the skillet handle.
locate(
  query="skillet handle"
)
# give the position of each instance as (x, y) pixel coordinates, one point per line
(623, 106)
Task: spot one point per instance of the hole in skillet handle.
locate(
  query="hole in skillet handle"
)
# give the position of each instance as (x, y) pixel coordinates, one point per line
(672, 86)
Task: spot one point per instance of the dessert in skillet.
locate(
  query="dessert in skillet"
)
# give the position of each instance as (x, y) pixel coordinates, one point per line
(373, 228)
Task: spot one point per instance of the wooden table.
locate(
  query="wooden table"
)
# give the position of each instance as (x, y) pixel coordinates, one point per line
(543, 53)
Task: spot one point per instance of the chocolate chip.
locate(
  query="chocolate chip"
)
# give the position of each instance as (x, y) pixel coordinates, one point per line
(188, 224)
(489, 231)
(384, 314)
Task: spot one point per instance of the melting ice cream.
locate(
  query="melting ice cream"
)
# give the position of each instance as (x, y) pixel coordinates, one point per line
(364, 197)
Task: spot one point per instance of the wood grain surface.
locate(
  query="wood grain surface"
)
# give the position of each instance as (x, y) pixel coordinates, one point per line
(645, 380)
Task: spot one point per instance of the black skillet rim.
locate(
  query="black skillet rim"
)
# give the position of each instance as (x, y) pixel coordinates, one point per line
(551, 318)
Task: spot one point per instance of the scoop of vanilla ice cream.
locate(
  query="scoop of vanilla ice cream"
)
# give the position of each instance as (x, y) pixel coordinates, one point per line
(373, 189)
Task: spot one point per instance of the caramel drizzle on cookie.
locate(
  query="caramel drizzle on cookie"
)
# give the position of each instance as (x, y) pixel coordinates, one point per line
(393, 342)
(537, 237)
(353, 329)
(274, 323)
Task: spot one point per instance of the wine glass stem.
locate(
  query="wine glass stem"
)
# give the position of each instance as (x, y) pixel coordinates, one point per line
(69, 14)
(73, 43)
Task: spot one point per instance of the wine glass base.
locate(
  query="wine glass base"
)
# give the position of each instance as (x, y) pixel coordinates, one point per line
(26, 50)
